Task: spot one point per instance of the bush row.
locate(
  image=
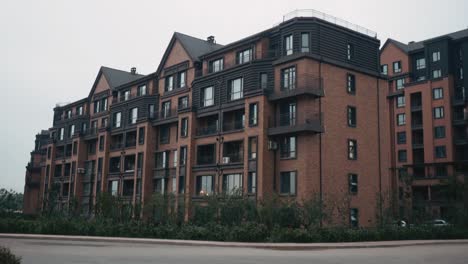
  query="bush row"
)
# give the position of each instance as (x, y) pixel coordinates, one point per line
(244, 232)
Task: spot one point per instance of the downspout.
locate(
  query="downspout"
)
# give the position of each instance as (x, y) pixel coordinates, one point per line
(320, 148)
(379, 148)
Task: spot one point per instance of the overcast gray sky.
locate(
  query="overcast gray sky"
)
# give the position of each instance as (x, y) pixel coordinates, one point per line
(50, 51)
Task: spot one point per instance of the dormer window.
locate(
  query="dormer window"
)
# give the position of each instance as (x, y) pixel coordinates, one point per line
(288, 45)
(79, 110)
(69, 113)
(141, 90)
(216, 65)
(125, 95)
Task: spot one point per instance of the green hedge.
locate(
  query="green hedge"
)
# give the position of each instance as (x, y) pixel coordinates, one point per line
(244, 232)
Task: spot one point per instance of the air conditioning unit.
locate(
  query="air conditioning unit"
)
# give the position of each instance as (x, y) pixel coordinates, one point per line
(226, 160)
(80, 170)
(272, 145)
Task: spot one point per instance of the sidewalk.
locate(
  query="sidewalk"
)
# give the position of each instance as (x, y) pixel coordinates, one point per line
(277, 246)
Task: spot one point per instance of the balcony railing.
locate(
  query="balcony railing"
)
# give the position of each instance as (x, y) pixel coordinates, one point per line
(116, 145)
(460, 117)
(207, 130)
(130, 143)
(304, 85)
(459, 100)
(122, 98)
(294, 122)
(233, 125)
(164, 172)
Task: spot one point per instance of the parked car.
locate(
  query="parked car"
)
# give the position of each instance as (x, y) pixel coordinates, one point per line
(438, 222)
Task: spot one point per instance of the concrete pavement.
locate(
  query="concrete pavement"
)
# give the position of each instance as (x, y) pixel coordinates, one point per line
(55, 251)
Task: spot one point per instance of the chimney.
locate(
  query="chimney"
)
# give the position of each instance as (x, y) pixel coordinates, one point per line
(133, 70)
(211, 39)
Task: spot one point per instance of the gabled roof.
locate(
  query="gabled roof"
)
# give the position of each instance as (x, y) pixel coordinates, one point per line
(194, 47)
(412, 46)
(114, 77)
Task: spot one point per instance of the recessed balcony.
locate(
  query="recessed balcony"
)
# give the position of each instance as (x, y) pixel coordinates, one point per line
(294, 123)
(307, 85)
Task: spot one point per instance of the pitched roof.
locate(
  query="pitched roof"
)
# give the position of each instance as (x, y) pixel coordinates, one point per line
(116, 77)
(195, 47)
(411, 46)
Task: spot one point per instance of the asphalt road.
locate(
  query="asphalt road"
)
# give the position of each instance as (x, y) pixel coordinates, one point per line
(60, 252)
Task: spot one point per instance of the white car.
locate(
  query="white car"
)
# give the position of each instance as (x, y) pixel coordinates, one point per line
(438, 222)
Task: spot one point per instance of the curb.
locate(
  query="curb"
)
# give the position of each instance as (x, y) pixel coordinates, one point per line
(275, 246)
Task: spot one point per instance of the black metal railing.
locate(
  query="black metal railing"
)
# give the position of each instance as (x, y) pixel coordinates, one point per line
(233, 125)
(304, 84)
(207, 130)
(116, 145)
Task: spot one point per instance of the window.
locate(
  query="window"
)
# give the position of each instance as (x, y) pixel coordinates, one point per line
(353, 183)
(305, 46)
(68, 114)
(164, 134)
(117, 119)
(97, 106)
(79, 110)
(204, 185)
(232, 183)
(175, 156)
(351, 84)
(401, 101)
(253, 114)
(207, 96)
(62, 133)
(151, 111)
(233, 152)
(288, 147)
(252, 148)
(104, 122)
(129, 164)
(125, 95)
(75, 148)
(181, 79)
(460, 73)
(439, 132)
(183, 156)
(401, 137)
(252, 182)
(352, 149)
(166, 109)
(396, 66)
(159, 185)
(169, 83)
(141, 135)
(141, 90)
(384, 69)
(440, 152)
(288, 183)
(183, 102)
(49, 152)
(420, 63)
(236, 90)
(288, 45)
(263, 81)
(184, 127)
(216, 65)
(181, 184)
(289, 78)
(206, 154)
(244, 56)
(351, 116)
(162, 159)
(101, 143)
(438, 112)
(113, 188)
(400, 83)
(436, 56)
(71, 131)
(133, 115)
(401, 119)
(436, 73)
(92, 147)
(350, 51)
(441, 171)
(437, 93)
(354, 217)
(402, 156)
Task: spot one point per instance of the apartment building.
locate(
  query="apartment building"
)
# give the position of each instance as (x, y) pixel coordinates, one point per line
(428, 109)
(299, 110)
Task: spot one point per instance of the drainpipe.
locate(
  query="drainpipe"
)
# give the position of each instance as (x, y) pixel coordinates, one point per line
(320, 148)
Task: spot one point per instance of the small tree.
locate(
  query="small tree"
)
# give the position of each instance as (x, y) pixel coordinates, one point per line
(6, 257)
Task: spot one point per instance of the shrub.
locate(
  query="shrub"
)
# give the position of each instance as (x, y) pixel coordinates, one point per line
(6, 257)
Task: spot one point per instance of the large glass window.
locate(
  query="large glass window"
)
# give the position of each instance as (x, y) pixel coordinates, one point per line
(244, 56)
(288, 147)
(113, 188)
(436, 56)
(181, 79)
(216, 65)
(133, 115)
(436, 73)
(206, 154)
(204, 185)
(288, 45)
(420, 64)
(169, 83)
(232, 183)
(141, 90)
(288, 183)
(236, 89)
(289, 78)
(207, 96)
(305, 42)
(117, 119)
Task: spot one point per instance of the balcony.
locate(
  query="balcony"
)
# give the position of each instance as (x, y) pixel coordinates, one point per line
(164, 173)
(288, 123)
(305, 85)
(117, 145)
(207, 125)
(90, 132)
(165, 117)
(459, 100)
(122, 98)
(460, 118)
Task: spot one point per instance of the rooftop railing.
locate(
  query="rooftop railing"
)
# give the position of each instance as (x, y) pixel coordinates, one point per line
(329, 18)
